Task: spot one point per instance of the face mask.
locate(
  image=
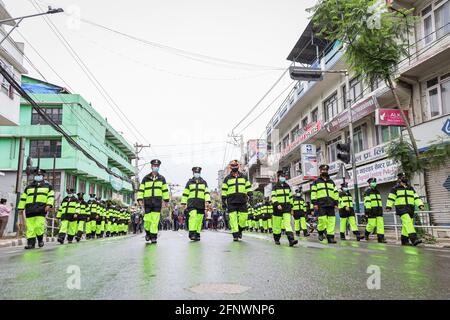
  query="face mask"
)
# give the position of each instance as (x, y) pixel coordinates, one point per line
(91, 199)
(404, 180)
(234, 169)
(297, 194)
(155, 169)
(373, 184)
(196, 175)
(324, 174)
(282, 179)
(345, 189)
(38, 178)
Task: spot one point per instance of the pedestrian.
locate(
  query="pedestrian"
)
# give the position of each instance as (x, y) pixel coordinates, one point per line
(208, 218)
(324, 197)
(236, 193)
(347, 213)
(405, 199)
(299, 208)
(373, 209)
(153, 190)
(36, 201)
(175, 219)
(5, 211)
(282, 208)
(67, 213)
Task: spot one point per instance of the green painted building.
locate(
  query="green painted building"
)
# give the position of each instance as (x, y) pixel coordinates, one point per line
(73, 169)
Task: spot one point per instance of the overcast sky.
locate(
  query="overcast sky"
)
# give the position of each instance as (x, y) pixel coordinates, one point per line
(179, 104)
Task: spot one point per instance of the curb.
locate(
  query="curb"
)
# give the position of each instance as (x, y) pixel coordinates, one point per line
(20, 242)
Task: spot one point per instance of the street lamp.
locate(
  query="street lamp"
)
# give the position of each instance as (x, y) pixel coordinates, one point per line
(49, 11)
(316, 74)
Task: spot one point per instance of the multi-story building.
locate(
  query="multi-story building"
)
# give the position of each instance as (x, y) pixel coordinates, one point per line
(72, 168)
(11, 58)
(317, 112)
(256, 164)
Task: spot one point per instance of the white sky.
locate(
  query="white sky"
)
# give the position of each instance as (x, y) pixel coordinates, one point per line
(161, 92)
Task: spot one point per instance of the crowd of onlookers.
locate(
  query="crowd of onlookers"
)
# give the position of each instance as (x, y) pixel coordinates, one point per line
(213, 219)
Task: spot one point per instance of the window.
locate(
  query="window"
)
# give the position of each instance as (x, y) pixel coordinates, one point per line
(304, 122)
(388, 133)
(294, 133)
(436, 20)
(82, 186)
(331, 149)
(55, 182)
(285, 141)
(91, 188)
(71, 181)
(5, 86)
(54, 113)
(279, 147)
(356, 91)
(330, 107)
(315, 115)
(359, 138)
(45, 148)
(438, 94)
(99, 191)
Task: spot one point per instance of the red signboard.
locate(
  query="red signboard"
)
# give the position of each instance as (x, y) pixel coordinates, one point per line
(307, 132)
(390, 117)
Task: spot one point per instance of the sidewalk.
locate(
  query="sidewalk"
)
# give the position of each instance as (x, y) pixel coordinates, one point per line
(11, 241)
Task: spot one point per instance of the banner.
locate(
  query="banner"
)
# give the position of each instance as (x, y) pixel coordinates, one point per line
(390, 117)
(305, 133)
(309, 161)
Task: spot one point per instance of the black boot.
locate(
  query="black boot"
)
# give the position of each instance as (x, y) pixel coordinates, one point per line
(297, 233)
(40, 240)
(270, 230)
(321, 237)
(414, 240)
(69, 238)
(240, 233)
(192, 235)
(31, 243)
(147, 236)
(61, 237)
(277, 237)
(330, 239)
(305, 233)
(235, 236)
(291, 239)
(153, 237)
(342, 236)
(381, 238)
(197, 236)
(366, 235)
(358, 235)
(404, 240)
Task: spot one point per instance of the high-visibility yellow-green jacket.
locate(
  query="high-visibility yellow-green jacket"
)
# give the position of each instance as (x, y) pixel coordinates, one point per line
(69, 207)
(35, 197)
(153, 190)
(298, 204)
(236, 189)
(405, 199)
(324, 193)
(373, 205)
(196, 194)
(281, 195)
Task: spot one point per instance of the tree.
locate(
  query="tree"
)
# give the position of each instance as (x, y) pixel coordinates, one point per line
(375, 36)
(258, 196)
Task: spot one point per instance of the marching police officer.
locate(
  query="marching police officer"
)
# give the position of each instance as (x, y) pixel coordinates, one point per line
(37, 199)
(153, 190)
(404, 198)
(346, 213)
(197, 198)
(82, 216)
(282, 207)
(100, 218)
(373, 209)
(236, 193)
(324, 197)
(266, 210)
(67, 212)
(250, 218)
(299, 209)
(91, 211)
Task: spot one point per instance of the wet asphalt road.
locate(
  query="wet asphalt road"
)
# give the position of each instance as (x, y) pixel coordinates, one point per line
(218, 268)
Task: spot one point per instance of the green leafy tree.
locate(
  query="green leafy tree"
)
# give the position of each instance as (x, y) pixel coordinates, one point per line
(258, 196)
(375, 37)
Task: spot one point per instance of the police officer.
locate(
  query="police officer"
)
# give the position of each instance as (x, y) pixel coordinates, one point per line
(37, 199)
(266, 210)
(373, 209)
(405, 199)
(99, 220)
(282, 208)
(152, 192)
(197, 198)
(324, 197)
(236, 194)
(346, 213)
(91, 211)
(82, 216)
(68, 210)
(299, 209)
(250, 223)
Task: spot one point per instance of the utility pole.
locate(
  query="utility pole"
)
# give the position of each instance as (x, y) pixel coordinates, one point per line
(137, 149)
(19, 180)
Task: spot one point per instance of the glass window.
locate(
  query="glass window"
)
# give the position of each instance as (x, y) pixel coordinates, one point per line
(359, 135)
(71, 181)
(285, 141)
(332, 150)
(436, 20)
(91, 188)
(315, 115)
(294, 133)
(388, 133)
(45, 148)
(55, 182)
(445, 95)
(304, 122)
(99, 191)
(438, 93)
(442, 19)
(54, 113)
(82, 186)
(330, 107)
